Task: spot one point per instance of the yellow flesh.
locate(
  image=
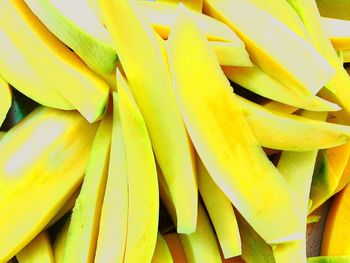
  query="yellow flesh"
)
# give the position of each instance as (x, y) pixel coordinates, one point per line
(150, 83)
(60, 242)
(114, 214)
(42, 51)
(37, 251)
(53, 168)
(161, 253)
(223, 138)
(221, 213)
(6, 99)
(338, 31)
(195, 5)
(83, 229)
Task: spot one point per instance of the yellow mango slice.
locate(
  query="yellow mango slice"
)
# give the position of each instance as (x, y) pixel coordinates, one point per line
(344, 179)
(83, 228)
(143, 194)
(161, 253)
(259, 82)
(289, 132)
(60, 242)
(277, 106)
(216, 124)
(38, 250)
(220, 212)
(53, 168)
(76, 24)
(229, 54)
(53, 61)
(114, 214)
(336, 235)
(338, 31)
(151, 86)
(201, 245)
(176, 248)
(6, 99)
(268, 52)
(196, 5)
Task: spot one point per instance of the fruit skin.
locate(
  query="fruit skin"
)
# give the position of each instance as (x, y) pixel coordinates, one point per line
(150, 82)
(65, 138)
(83, 33)
(215, 124)
(57, 65)
(161, 253)
(6, 99)
(335, 241)
(38, 250)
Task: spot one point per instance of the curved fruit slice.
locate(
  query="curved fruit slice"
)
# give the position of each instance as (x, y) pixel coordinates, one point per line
(338, 31)
(220, 212)
(149, 79)
(277, 106)
(52, 60)
(259, 82)
(161, 253)
(329, 259)
(195, 5)
(38, 250)
(289, 132)
(78, 27)
(201, 245)
(6, 99)
(176, 249)
(83, 228)
(60, 242)
(143, 194)
(336, 235)
(230, 54)
(216, 124)
(53, 168)
(270, 54)
(114, 213)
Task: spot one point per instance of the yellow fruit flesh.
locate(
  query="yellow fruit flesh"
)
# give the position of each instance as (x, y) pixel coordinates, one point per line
(220, 212)
(277, 106)
(83, 228)
(195, 5)
(114, 214)
(37, 251)
(161, 253)
(150, 82)
(53, 168)
(268, 52)
(59, 245)
(6, 99)
(223, 138)
(338, 31)
(53, 61)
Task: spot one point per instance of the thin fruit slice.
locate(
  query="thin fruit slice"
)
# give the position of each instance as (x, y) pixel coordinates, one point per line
(143, 196)
(270, 53)
(53, 168)
(6, 99)
(114, 213)
(216, 124)
(52, 60)
(338, 31)
(38, 250)
(150, 82)
(201, 246)
(161, 253)
(59, 245)
(83, 228)
(176, 249)
(196, 5)
(220, 212)
(230, 54)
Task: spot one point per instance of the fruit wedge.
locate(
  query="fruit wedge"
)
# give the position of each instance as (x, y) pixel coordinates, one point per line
(114, 213)
(175, 246)
(201, 245)
(338, 31)
(221, 213)
(38, 250)
(334, 8)
(161, 253)
(53, 62)
(83, 228)
(196, 5)
(329, 259)
(150, 82)
(216, 124)
(59, 245)
(76, 25)
(6, 99)
(53, 168)
(336, 235)
(289, 132)
(268, 52)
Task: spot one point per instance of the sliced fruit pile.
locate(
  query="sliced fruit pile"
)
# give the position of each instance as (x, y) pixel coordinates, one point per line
(159, 131)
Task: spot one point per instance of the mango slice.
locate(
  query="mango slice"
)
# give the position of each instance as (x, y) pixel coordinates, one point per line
(270, 53)
(59, 67)
(220, 212)
(114, 213)
(59, 245)
(78, 27)
(150, 82)
(53, 168)
(289, 132)
(176, 248)
(196, 5)
(338, 31)
(6, 99)
(161, 253)
(223, 139)
(336, 235)
(201, 245)
(83, 228)
(38, 250)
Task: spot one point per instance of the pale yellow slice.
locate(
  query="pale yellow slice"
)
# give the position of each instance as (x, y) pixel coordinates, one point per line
(338, 31)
